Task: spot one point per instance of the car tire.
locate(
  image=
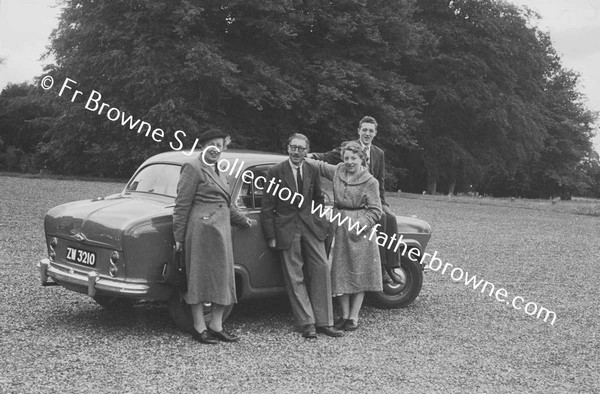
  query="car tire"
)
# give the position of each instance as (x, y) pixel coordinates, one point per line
(392, 296)
(181, 313)
(111, 302)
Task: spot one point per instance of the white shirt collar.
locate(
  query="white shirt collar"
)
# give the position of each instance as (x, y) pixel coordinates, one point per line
(295, 166)
(368, 147)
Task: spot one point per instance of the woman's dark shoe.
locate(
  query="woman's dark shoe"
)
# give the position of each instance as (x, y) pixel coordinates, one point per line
(339, 323)
(204, 337)
(350, 325)
(223, 335)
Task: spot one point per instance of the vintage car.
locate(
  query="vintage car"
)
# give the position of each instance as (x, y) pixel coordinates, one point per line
(115, 248)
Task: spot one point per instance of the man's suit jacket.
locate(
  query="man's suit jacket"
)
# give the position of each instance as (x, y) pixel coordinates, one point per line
(280, 218)
(376, 164)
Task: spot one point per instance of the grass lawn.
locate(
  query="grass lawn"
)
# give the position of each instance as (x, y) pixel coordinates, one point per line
(452, 339)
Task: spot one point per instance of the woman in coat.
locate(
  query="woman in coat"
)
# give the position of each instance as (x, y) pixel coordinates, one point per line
(202, 220)
(356, 266)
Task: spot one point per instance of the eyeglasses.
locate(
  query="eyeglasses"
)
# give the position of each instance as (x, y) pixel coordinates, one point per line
(295, 148)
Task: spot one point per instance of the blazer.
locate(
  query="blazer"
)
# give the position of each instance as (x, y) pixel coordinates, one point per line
(376, 165)
(280, 218)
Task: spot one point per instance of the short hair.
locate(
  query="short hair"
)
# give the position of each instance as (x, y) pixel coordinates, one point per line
(367, 119)
(353, 147)
(299, 136)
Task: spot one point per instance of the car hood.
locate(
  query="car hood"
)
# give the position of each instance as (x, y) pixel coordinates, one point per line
(412, 225)
(101, 221)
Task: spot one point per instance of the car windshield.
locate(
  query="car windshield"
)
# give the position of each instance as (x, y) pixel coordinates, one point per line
(157, 178)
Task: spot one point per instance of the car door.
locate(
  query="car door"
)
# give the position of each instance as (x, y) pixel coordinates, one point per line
(249, 244)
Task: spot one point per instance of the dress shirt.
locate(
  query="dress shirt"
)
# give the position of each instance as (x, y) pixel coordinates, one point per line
(367, 150)
(295, 171)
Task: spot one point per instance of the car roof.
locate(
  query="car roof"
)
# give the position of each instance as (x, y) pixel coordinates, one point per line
(249, 157)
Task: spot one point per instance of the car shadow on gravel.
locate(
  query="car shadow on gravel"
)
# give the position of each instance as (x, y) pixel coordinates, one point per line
(154, 317)
(271, 309)
(147, 316)
(263, 316)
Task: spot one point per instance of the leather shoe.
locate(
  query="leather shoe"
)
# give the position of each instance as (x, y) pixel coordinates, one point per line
(397, 275)
(204, 337)
(309, 331)
(330, 331)
(339, 323)
(223, 335)
(350, 325)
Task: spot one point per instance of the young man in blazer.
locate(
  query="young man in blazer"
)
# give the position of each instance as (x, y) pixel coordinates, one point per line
(290, 227)
(367, 130)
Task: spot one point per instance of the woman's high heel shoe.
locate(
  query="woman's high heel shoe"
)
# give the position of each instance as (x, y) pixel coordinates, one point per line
(204, 337)
(223, 335)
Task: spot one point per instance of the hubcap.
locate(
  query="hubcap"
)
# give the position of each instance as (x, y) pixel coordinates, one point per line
(395, 288)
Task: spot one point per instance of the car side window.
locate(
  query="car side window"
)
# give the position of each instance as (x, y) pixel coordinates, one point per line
(251, 193)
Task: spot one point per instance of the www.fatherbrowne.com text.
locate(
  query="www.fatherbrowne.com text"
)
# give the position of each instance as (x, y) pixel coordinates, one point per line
(435, 264)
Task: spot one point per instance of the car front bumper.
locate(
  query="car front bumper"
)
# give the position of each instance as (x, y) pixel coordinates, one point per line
(80, 281)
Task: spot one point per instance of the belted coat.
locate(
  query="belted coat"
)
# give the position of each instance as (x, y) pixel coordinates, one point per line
(202, 220)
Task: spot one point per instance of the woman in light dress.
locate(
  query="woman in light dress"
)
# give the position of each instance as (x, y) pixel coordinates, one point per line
(356, 267)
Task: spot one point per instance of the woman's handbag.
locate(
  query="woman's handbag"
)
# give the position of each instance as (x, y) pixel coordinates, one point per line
(173, 273)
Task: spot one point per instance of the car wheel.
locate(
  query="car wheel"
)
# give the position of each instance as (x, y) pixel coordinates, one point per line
(395, 296)
(110, 302)
(181, 313)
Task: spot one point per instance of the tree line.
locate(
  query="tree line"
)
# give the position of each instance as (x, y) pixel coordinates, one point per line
(469, 94)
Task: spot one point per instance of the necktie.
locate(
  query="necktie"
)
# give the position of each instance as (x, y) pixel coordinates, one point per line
(299, 180)
(216, 169)
(367, 159)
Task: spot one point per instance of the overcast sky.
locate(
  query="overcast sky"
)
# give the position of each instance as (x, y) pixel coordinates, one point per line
(574, 26)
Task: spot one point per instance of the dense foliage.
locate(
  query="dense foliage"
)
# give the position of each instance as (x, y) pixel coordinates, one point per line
(467, 93)
(502, 117)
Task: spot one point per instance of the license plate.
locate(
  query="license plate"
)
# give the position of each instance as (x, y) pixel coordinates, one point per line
(80, 256)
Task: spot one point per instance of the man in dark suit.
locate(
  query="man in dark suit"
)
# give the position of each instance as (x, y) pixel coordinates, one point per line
(375, 162)
(289, 226)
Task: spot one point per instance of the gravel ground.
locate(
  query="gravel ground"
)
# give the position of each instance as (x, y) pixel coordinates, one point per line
(452, 339)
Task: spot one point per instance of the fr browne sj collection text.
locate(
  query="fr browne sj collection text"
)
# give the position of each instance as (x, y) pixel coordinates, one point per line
(95, 104)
